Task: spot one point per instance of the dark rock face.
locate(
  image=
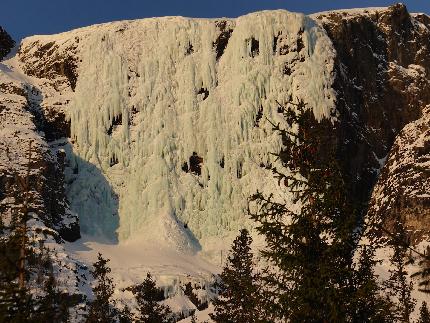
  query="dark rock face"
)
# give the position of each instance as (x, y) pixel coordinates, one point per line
(6, 43)
(382, 81)
(22, 123)
(50, 61)
(403, 188)
(57, 64)
(54, 207)
(254, 45)
(49, 119)
(66, 223)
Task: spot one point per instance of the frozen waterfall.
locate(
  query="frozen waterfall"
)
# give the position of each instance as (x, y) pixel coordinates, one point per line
(169, 120)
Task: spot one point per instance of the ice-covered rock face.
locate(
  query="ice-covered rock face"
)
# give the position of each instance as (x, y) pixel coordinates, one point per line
(168, 117)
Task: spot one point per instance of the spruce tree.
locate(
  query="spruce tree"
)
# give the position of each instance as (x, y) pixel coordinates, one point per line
(125, 315)
(424, 273)
(368, 304)
(399, 287)
(53, 306)
(9, 291)
(16, 302)
(148, 297)
(102, 308)
(424, 314)
(238, 301)
(312, 249)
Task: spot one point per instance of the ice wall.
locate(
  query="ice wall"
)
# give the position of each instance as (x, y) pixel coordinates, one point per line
(153, 92)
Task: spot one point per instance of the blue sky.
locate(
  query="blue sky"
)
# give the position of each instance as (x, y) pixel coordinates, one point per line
(29, 17)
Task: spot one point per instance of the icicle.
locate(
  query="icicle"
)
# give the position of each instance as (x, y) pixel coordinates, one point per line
(182, 87)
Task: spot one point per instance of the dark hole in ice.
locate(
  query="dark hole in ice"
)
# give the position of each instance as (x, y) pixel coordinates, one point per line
(117, 121)
(222, 162)
(239, 170)
(221, 42)
(113, 160)
(205, 93)
(185, 167)
(259, 116)
(190, 49)
(286, 70)
(255, 46)
(195, 164)
(275, 43)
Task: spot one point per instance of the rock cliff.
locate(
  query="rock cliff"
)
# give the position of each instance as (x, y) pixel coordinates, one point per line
(6, 43)
(22, 120)
(383, 85)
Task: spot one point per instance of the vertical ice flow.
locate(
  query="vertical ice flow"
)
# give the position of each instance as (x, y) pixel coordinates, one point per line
(151, 93)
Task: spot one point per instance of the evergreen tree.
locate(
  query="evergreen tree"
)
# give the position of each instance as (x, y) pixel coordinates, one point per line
(368, 303)
(148, 297)
(125, 315)
(399, 287)
(53, 306)
(102, 308)
(424, 273)
(424, 314)
(313, 248)
(238, 297)
(9, 291)
(16, 303)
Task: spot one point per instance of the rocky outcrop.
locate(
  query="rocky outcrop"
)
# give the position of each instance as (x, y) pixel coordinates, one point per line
(41, 119)
(44, 170)
(51, 61)
(403, 188)
(6, 43)
(382, 84)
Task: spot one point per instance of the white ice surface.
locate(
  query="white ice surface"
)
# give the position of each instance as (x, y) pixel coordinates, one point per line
(139, 72)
